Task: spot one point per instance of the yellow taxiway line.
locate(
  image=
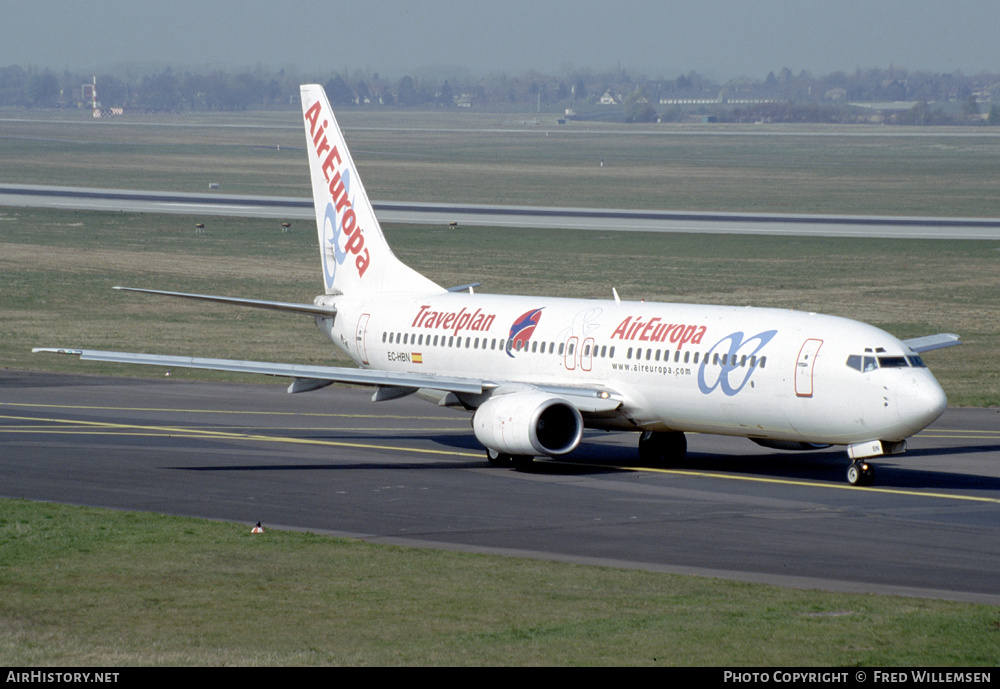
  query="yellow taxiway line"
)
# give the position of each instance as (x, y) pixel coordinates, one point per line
(137, 429)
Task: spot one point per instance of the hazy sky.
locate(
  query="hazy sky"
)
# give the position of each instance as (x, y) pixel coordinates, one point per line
(719, 38)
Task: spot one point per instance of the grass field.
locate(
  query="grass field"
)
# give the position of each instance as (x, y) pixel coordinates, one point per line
(57, 269)
(85, 587)
(481, 158)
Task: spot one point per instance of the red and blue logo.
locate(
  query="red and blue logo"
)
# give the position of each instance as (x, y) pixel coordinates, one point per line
(521, 331)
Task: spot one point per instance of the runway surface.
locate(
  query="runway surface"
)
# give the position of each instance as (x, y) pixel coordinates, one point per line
(76, 198)
(407, 472)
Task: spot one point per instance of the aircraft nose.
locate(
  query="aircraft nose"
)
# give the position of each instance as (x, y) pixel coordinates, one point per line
(919, 400)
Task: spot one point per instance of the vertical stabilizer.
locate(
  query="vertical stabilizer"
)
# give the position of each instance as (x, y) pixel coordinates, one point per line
(355, 255)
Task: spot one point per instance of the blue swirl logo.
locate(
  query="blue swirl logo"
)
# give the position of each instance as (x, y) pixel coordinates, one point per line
(332, 232)
(731, 377)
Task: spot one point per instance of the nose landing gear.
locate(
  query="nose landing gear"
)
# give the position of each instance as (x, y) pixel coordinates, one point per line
(860, 474)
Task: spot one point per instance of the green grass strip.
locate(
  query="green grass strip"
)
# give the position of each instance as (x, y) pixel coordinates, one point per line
(84, 586)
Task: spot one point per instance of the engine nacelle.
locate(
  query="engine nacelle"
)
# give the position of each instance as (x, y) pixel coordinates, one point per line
(528, 423)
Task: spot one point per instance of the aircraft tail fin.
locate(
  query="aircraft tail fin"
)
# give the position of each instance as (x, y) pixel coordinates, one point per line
(356, 257)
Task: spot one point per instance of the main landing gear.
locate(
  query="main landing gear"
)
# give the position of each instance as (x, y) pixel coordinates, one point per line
(655, 450)
(502, 460)
(662, 449)
(860, 474)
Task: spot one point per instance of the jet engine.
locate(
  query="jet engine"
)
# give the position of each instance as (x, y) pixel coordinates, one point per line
(528, 423)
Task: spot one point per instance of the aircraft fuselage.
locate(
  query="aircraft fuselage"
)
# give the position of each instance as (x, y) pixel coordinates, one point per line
(753, 372)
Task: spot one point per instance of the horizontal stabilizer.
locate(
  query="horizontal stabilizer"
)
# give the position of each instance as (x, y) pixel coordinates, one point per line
(939, 341)
(311, 309)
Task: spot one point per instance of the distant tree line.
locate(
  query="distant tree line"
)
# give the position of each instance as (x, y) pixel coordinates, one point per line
(917, 98)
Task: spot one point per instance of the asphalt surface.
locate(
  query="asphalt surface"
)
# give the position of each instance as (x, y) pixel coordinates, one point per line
(407, 472)
(606, 220)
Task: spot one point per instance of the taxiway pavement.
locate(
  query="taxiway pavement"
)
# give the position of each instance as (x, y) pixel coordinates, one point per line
(444, 214)
(407, 472)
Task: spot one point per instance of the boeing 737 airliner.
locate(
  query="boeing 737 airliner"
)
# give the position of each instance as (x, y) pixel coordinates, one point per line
(536, 371)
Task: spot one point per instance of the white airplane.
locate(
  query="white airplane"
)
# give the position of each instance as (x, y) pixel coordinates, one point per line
(536, 371)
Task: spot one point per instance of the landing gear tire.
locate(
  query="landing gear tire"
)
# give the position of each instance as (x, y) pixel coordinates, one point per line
(498, 459)
(522, 462)
(502, 460)
(662, 449)
(860, 474)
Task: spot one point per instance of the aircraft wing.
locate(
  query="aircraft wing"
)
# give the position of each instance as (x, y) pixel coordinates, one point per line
(586, 400)
(926, 344)
(312, 309)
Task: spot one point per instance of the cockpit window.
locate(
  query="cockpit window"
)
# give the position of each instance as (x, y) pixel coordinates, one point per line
(867, 362)
(862, 363)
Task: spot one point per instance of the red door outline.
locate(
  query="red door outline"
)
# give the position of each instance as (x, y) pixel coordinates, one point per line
(804, 365)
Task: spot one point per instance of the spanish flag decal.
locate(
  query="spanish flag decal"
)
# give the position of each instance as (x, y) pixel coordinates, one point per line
(417, 357)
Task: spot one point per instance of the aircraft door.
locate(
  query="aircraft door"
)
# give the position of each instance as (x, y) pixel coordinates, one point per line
(804, 366)
(360, 338)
